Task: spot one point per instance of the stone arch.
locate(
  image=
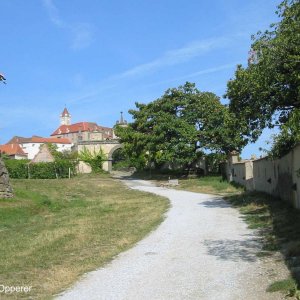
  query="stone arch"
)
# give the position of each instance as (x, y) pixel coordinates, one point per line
(108, 148)
(107, 166)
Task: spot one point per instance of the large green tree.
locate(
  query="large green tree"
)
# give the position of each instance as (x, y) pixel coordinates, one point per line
(178, 127)
(267, 91)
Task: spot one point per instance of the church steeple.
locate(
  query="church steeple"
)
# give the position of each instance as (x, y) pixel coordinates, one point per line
(122, 122)
(65, 117)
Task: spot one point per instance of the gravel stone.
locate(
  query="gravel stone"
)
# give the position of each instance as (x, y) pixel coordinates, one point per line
(202, 250)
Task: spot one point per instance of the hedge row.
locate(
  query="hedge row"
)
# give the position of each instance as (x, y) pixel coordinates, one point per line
(22, 169)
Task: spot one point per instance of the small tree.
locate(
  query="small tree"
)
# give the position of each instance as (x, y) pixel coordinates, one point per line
(94, 158)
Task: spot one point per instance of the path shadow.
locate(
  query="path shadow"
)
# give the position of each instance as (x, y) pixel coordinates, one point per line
(215, 203)
(234, 250)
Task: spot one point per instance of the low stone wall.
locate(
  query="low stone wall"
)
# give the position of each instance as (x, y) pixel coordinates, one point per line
(5, 187)
(277, 177)
(83, 168)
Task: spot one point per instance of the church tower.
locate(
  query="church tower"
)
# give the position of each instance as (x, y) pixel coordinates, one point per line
(122, 122)
(65, 117)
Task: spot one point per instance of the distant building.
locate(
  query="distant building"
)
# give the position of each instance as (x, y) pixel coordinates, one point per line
(32, 145)
(82, 131)
(13, 150)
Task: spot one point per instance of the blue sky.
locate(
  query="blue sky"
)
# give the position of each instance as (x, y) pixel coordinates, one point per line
(100, 57)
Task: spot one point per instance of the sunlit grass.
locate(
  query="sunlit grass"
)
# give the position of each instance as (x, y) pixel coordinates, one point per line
(209, 185)
(52, 231)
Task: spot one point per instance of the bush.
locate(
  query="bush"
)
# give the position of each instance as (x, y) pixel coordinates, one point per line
(22, 169)
(94, 158)
(17, 168)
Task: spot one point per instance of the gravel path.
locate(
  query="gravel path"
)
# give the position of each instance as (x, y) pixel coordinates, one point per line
(203, 250)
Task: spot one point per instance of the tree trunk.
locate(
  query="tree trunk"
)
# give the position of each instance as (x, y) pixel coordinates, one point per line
(5, 187)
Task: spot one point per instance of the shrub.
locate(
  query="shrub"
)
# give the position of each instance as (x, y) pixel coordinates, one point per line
(17, 168)
(94, 159)
(22, 169)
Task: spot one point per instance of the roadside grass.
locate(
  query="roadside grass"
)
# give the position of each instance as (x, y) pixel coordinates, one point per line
(209, 185)
(212, 184)
(278, 224)
(53, 231)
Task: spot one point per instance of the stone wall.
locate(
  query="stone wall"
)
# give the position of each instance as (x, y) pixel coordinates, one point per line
(83, 168)
(277, 177)
(5, 188)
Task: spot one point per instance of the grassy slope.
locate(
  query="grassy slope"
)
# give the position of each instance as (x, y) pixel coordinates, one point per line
(55, 230)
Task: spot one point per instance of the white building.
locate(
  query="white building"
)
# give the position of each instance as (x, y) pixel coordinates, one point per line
(32, 145)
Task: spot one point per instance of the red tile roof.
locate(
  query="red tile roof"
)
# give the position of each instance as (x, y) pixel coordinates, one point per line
(81, 126)
(12, 149)
(38, 139)
(53, 140)
(21, 140)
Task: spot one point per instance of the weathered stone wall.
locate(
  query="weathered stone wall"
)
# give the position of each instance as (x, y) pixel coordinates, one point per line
(278, 177)
(108, 148)
(83, 168)
(5, 187)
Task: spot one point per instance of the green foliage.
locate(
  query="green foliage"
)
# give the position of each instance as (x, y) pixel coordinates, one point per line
(118, 155)
(175, 127)
(288, 137)
(294, 292)
(66, 154)
(282, 285)
(213, 161)
(22, 169)
(17, 168)
(267, 91)
(120, 160)
(94, 158)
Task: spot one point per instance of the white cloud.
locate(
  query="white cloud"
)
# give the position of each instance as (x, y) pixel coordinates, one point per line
(82, 36)
(196, 74)
(177, 56)
(82, 33)
(53, 13)
(108, 88)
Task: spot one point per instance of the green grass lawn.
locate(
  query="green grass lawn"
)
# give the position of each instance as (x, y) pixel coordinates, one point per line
(53, 231)
(212, 184)
(209, 185)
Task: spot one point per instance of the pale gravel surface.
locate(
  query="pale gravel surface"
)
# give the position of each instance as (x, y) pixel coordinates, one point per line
(203, 250)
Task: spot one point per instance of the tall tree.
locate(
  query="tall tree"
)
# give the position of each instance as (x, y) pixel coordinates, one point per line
(178, 127)
(266, 92)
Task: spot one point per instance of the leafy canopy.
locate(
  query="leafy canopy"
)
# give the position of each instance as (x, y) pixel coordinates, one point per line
(267, 91)
(178, 127)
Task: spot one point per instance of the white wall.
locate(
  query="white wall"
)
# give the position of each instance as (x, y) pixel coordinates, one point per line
(33, 148)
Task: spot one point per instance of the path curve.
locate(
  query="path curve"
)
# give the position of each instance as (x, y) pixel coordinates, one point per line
(203, 250)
